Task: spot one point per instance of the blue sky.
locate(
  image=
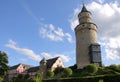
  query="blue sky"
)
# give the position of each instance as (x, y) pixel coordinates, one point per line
(33, 29)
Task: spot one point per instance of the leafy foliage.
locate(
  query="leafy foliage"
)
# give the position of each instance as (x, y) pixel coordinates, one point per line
(58, 70)
(74, 67)
(1, 79)
(67, 72)
(3, 64)
(50, 73)
(91, 69)
(38, 77)
(22, 78)
(114, 67)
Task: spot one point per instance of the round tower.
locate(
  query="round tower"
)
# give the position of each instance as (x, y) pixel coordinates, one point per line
(86, 35)
(43, 67)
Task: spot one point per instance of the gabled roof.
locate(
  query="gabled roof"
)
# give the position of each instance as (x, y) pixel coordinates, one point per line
(50, 62)
(29, 68)
(33, 69)
(16, 66)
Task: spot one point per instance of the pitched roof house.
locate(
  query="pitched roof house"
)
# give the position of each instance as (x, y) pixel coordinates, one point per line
(45, 65)
(54, 63)
(18, 69)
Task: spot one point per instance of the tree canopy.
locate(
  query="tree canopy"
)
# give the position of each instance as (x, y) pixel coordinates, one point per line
(3, 64)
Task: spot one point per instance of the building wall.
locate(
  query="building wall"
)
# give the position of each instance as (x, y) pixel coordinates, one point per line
(43, 69)
(14, 72)
(84, 17)
(58, 63)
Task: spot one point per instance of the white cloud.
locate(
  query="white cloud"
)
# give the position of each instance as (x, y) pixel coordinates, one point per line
(32, 55)
(100, 1)
(112, 47)
(73, 19)
(64, 58)
(107, 17)
(23, 60)
(54, 34)
(46, 55)
(69, 37)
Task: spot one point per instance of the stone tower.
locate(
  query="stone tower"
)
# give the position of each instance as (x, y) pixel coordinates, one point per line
(87, 47)
(43, 67)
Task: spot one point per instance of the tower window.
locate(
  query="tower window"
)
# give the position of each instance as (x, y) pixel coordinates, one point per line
(83, 25)
(89, 28)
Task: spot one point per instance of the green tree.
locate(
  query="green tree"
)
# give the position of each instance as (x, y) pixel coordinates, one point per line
(67, 72)
(50, 73)
(3, 64)
(38, 77)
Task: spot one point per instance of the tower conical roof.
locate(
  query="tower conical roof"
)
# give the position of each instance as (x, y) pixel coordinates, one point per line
(43, 60)
(84, 9)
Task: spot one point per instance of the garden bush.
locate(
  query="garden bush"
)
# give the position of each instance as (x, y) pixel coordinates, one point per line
(1, 79)
(89, 70)
(50, 73)
(58, 70)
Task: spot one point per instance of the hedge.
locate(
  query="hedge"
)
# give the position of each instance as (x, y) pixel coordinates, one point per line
(86, 79)
(106, 78)
(112, 78)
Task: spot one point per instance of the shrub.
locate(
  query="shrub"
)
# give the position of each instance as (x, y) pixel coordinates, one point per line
(90, 69)
(113, 67)
(58, 70)
(74, 67)
(50, 73)
(67, 72)
(1, 79)
(38, 77)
